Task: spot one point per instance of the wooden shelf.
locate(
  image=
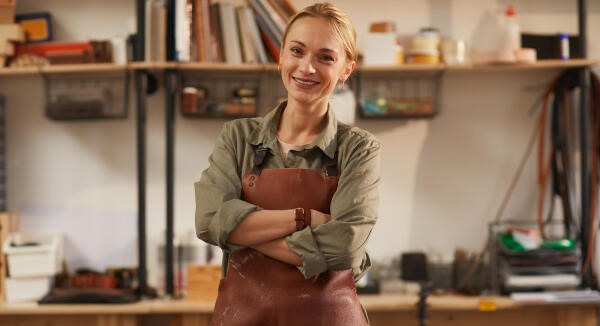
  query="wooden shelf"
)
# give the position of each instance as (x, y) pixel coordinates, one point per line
(148, 65)
(542, 64)
(205, 66)
(90, 67)
(224, 67)
(372, 303)
(404, 67)
(19, 71)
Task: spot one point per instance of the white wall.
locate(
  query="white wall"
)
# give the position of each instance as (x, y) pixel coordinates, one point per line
(443, 179)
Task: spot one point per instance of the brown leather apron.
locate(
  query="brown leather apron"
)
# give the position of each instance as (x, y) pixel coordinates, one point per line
(259, 290)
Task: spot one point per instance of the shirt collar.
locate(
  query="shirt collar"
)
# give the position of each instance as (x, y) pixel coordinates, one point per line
(266, 133)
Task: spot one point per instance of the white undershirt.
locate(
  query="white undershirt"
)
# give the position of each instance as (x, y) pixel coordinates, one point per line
(284, 148)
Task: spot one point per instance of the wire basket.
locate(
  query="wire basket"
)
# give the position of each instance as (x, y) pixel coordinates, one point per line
(220, 94)
(391, 94)
(84, 96)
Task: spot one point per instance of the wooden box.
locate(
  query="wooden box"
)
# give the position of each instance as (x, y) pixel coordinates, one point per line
(203, 282)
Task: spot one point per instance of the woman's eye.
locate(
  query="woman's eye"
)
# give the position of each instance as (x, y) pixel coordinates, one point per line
(327, 58)
(296, 51)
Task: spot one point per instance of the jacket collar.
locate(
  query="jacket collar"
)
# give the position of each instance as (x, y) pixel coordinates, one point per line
(265, 134)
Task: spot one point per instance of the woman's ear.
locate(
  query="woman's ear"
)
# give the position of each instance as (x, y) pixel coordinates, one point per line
(348, 70)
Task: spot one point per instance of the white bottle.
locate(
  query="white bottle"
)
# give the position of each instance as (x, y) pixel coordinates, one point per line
(512, 38)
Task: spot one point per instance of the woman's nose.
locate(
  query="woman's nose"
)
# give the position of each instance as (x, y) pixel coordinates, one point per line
(306, 65)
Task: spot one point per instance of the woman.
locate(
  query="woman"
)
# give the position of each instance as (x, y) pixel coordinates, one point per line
(291, 198)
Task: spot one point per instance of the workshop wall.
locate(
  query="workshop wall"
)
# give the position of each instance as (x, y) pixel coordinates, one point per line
(442, 179)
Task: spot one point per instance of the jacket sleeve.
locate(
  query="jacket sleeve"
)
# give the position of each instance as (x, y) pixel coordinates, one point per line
(340, 243)
(219, 208)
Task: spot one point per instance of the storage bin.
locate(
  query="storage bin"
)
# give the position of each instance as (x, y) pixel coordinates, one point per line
(41, 257)
(27, 289)
(203, 282)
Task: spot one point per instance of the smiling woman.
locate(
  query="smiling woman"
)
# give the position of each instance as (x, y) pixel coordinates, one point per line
(292, 197)
(313, 63)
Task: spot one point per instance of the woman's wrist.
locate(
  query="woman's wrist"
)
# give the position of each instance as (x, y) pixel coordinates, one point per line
(302, 217)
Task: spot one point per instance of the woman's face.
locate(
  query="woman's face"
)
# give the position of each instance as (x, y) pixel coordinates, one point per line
(313, 61)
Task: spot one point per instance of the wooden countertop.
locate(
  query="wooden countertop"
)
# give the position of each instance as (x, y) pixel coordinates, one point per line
(373, 303)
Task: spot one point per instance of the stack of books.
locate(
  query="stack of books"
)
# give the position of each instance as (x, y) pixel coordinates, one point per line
(222, 32)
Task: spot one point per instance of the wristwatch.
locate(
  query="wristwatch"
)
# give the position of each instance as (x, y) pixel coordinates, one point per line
(302, 218)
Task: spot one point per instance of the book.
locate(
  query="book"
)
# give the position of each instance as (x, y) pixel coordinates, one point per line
(281, 12)
(205, 10)
(58, 53)
(259, 46)
(147, 29)
(288, 7)
(248, 52)
(198, 32)
(156, 46)
(277, 20)
(270, 45)
(215, 33)
(183, 30)
(571, 297)
(230, 36)
(265, 21)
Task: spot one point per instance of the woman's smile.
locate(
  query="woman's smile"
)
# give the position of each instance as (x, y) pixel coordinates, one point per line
(304, 82)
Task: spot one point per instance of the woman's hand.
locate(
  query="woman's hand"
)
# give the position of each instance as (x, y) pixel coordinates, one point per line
(317, 218)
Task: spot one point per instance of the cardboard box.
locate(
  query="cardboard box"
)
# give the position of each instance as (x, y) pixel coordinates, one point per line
(6, 49)
(7, 11)
(8, 224)
(37, 26)
(203, 282)
(11, 32)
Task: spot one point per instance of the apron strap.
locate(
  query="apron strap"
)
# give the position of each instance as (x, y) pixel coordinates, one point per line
(331, 169)
(259, 158)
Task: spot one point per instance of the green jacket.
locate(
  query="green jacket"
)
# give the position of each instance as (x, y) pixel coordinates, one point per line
(338, 244)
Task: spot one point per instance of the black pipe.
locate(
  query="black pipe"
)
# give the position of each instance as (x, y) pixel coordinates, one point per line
(140, 83)
(171, 30)
(584, 82)
(140, 92)
(170, 84)
(140, 37)
(582, 25)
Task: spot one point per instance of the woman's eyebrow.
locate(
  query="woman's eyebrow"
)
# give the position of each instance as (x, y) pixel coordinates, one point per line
(322, 49)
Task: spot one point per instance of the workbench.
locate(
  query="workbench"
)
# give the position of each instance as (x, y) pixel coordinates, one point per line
(388, 309)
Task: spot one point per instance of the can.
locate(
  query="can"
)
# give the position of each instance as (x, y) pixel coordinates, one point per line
(564, 46)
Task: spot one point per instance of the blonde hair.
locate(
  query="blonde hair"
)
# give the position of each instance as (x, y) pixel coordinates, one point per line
(338, 20)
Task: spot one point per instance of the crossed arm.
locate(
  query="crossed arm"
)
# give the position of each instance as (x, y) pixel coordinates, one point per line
(223, 219)
(265, 231)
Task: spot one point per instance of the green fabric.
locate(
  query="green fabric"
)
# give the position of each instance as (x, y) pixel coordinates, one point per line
(338, 244)
(511, 243)
(566, 244)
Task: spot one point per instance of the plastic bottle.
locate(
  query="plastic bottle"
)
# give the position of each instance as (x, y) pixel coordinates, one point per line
(512, 40)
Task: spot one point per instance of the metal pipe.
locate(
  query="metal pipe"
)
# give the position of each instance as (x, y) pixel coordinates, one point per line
(584, 83)
(140, 83)
(170, 83)
(171, 30)
(140, 36)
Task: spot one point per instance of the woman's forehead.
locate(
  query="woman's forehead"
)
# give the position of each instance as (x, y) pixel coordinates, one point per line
(314, 32)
